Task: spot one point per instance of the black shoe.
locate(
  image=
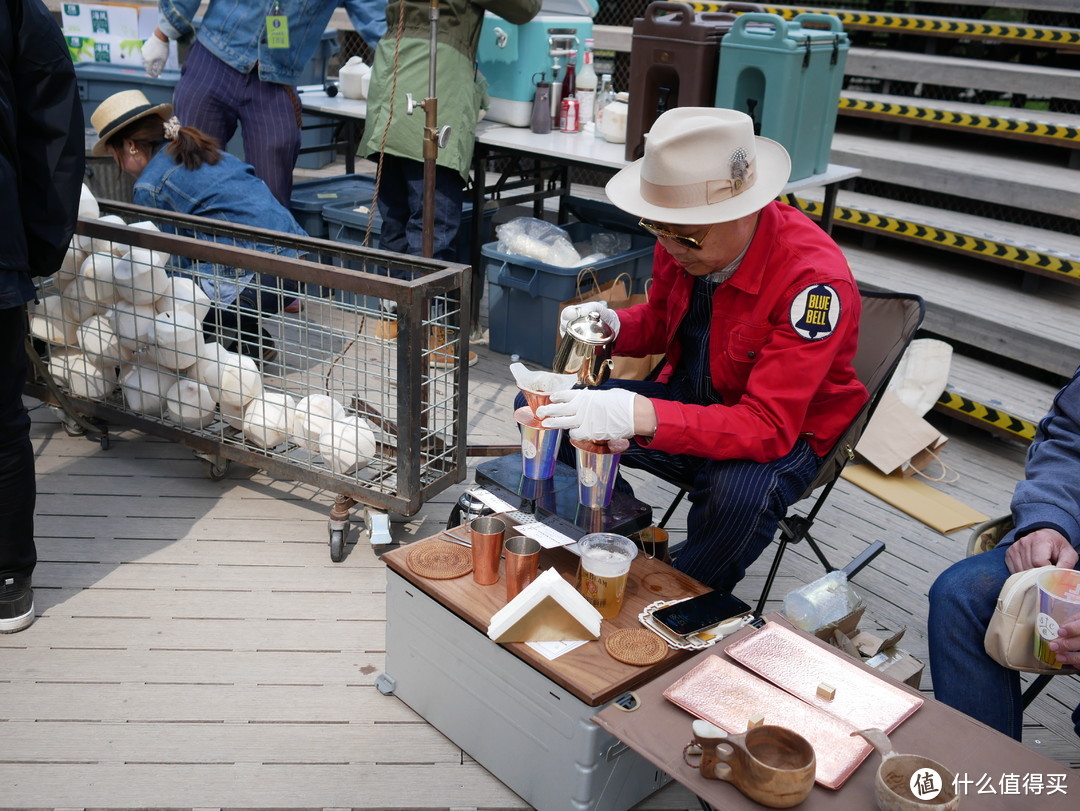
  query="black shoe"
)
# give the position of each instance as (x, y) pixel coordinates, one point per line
(16, 604)
(262, 350)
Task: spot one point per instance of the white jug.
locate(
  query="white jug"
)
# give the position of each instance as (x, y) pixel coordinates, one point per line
(613, 121)
(353, 78)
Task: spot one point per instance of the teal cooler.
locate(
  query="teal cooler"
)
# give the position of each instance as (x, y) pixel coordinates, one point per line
(525, 295)
(787, 77)
(510, 56)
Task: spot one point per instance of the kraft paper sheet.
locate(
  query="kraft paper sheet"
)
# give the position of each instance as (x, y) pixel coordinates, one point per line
(921, 501)
(729, 696)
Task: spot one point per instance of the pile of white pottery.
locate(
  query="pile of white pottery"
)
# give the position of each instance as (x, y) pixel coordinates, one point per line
(120, 322)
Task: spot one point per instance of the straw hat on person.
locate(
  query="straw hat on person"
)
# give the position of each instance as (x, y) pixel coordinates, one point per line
(119, 110)
(701, 165)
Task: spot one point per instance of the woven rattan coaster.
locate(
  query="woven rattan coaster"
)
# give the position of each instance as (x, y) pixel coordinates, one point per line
(439, 560)
(636, 646)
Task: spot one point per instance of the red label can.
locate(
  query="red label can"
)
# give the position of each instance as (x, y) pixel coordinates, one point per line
(569, 115)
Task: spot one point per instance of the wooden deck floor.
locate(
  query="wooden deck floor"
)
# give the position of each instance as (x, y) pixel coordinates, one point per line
(196, 647)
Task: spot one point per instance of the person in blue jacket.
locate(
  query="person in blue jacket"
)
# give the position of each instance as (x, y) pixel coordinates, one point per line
(41, 170)
(1046, 514)
(179, 168)
(243, 68)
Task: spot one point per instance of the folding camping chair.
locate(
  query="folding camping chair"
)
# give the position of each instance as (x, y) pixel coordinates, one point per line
(887, 326)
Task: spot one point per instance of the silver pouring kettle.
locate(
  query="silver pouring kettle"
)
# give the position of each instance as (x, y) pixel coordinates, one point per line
(585, 350)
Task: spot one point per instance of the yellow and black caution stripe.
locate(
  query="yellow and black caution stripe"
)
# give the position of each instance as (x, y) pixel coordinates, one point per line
(990, 124)
(984, 416)
(933, 26)
(1001, 252)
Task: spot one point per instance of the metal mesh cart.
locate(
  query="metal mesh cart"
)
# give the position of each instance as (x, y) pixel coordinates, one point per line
(124, 334)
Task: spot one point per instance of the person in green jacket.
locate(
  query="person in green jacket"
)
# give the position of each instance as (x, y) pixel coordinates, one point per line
(400, 67)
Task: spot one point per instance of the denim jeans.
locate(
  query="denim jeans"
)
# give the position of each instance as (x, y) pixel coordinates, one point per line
(18, 489)
(962, 601)
(735, 504)
(401, 199)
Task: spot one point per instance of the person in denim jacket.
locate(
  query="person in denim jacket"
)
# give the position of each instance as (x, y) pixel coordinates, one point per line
(178, 168)
(1046, 531)
(243, 67)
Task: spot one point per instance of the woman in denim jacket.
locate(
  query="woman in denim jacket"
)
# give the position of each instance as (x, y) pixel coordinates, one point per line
(178, 168)
(243, 67)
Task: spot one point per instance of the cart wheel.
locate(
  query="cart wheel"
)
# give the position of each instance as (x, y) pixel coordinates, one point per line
(72, 428)
(104, 442)
(218, 470)
(337, 543)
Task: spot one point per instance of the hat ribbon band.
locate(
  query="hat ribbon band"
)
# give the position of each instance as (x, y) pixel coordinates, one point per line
(689, 195)
(120, 121)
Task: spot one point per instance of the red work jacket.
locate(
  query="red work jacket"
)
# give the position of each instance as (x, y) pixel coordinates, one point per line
(784, 330)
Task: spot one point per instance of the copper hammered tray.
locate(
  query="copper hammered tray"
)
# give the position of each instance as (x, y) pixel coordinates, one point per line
(729, 696)
(800, 666)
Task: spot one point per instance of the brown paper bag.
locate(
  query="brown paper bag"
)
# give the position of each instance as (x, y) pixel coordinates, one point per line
(628, 368)
(899, 441)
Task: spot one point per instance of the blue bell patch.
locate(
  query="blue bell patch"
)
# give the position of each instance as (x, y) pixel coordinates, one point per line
(815, 312)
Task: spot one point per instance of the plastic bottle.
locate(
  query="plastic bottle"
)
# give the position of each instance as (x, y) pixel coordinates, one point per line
(821, 602)
(586, 85)
(605, 94)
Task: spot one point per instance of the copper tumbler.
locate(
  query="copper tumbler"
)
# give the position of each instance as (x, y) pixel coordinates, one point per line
(486, 534)
(522, 559)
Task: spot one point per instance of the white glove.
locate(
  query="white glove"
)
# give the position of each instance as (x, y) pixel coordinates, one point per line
(607, 315)
(154, 54)
(596, 414)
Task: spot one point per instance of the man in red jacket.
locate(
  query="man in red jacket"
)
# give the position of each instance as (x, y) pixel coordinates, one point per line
(757, 312)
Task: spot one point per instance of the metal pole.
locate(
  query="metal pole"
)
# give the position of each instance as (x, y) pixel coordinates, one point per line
(431, 138)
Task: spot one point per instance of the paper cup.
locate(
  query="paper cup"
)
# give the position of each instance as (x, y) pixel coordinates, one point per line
(1059, 603)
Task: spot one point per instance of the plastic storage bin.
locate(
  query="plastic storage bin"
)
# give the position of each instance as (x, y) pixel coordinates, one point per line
(310, 197)
(787, 77)
(524, 295)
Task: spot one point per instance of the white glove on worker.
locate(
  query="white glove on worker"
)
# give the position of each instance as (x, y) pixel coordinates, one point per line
(596, 414)
(154, 54)
(607, 315)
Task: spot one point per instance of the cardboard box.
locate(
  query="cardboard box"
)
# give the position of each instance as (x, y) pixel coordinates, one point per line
(877, 650)
(847, 625)
(97, 20)
(105, 48)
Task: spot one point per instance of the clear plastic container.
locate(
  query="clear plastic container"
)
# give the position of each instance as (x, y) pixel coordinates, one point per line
(826, 600)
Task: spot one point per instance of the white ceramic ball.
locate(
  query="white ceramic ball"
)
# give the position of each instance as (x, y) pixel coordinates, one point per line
(104, 245)
(233, 415)
(348, 445)
(69, 266)
(188, 402)
(145, 388)
(96, 279)
(99, 341)
(49, 322)
(184, 294)
(88, 380)
(88, 204)
(207, 368)
(239, 379)
(267, 418)
(176, 338)
(313, 416)
(132, 324)
(138, 279)
(76, 308)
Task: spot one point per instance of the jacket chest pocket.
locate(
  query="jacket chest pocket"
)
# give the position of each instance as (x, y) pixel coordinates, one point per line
(744, 345)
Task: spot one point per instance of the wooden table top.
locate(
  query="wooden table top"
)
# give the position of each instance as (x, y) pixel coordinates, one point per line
(587, 672)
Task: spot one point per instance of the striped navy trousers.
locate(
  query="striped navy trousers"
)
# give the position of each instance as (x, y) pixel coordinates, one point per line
(214, 98)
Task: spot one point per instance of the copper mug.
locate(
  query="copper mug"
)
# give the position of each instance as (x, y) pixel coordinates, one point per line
(522, 562)
(486, 535)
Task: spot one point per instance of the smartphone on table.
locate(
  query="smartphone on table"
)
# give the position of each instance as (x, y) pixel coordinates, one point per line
(701, 612)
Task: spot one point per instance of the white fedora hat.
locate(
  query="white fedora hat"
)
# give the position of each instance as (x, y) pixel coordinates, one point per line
(119, 110)
(701, 165)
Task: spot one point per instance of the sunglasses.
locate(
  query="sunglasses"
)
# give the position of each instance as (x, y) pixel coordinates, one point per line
(660, 232)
